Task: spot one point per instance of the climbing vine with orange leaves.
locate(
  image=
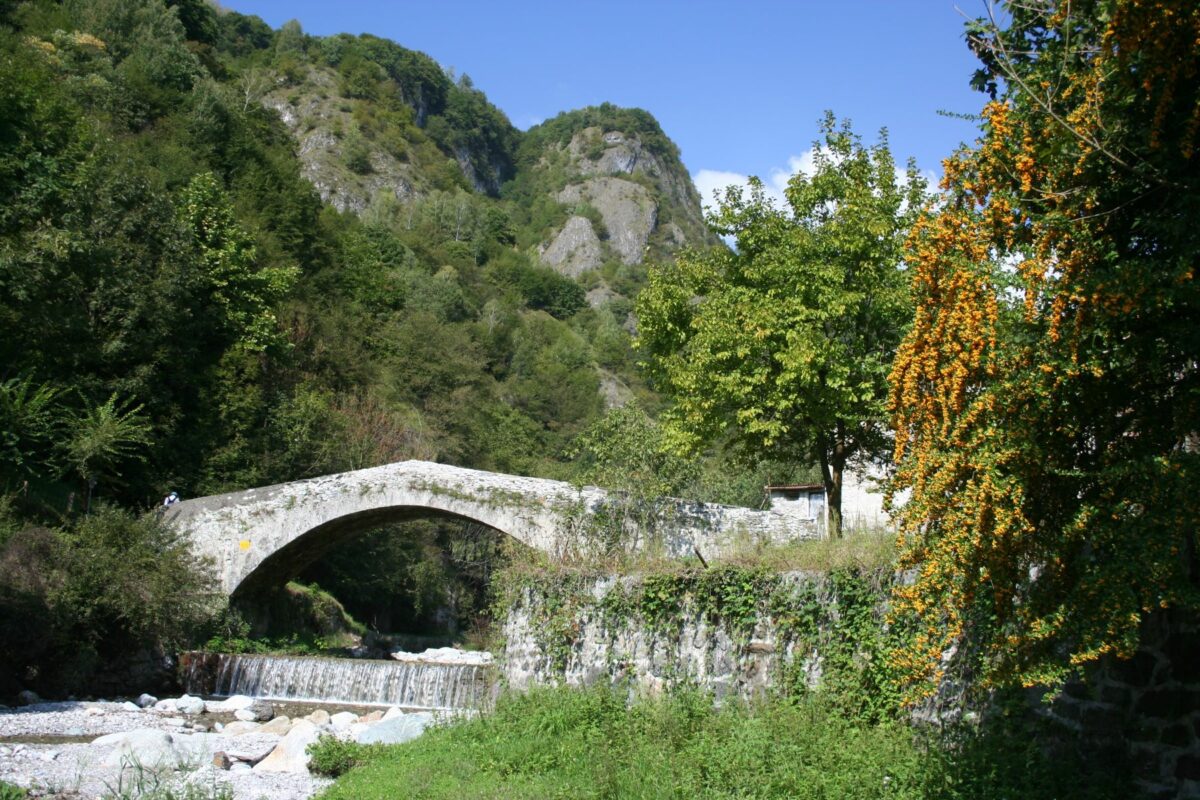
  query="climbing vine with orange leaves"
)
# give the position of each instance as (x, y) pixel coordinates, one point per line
(1046, 401)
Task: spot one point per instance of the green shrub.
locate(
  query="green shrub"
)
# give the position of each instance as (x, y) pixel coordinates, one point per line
(334, 757)
(106, 585)
(10, 792)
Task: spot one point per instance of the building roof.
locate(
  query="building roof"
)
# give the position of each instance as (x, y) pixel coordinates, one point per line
(794, 487)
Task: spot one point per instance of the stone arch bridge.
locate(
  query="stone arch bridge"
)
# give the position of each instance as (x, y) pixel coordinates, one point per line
(262, 537)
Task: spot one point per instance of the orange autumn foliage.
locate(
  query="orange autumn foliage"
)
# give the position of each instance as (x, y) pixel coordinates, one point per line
(1046, 401)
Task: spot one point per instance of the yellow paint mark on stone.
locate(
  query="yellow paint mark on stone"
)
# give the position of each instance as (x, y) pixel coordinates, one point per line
(244, 544)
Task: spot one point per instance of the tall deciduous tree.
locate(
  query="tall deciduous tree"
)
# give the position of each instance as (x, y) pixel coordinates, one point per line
(782, 344)
(244, 293)
(1046, 399)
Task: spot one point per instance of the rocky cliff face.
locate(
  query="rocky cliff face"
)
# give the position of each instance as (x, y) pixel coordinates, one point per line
(575, 250)
(628, 209)
(324, 127)
(354, 148)
(646, 202)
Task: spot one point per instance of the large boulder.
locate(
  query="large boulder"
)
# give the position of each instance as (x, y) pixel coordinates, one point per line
(397, 730)
(154, 749)
(235, 703)
(189, 705)
(291, 754)
(343, 719)
(280, 725)
(146, 747)
(240, 728)
(447, 655)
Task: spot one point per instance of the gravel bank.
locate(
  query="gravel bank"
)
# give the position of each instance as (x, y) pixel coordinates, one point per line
(85, 770)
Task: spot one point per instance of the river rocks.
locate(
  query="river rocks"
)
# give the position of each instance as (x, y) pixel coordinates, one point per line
(240, 728)
(221, 760)
(280, 726)
(147, 747)
(252, 750)
(319, 717)
(146, 700)
(257, 711)
(189, 705)
(235, 703)
(397, 730)
(374, 716)
(447, 655)
(291, 754)
(85, 769)
(28, 698)
(392, 713)
(343, 719)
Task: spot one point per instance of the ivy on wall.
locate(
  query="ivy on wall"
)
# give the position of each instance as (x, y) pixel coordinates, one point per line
(828, 628)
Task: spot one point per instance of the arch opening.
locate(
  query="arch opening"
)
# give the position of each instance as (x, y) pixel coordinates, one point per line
(415, 576)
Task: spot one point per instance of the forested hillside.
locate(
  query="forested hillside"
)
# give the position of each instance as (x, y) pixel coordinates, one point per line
(232, 256)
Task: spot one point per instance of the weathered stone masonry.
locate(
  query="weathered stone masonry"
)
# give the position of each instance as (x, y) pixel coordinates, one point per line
(269, 533)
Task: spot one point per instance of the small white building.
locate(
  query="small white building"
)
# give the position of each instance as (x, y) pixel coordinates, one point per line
(862, 502)
(803, 501)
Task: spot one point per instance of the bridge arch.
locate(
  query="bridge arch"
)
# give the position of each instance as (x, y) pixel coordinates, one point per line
(308, 547)
(254, 535)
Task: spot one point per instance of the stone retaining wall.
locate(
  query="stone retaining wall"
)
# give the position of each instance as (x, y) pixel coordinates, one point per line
(1145, 710)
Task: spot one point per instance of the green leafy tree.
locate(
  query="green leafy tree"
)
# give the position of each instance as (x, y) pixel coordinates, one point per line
(104, 436)
(781, 346)
(627, 451)
(244, 293)
(30, 418)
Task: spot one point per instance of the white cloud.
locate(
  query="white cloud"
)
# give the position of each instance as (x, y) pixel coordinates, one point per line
(708, 181)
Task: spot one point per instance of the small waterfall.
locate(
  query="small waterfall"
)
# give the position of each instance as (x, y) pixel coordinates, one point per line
(410, 684)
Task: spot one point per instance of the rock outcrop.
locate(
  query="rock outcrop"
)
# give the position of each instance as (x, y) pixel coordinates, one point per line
(600, 152)
(628, 210)
(321, 125)
(642, 193)
(575, 250)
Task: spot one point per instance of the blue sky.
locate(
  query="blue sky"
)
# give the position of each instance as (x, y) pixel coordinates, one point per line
(740, 86)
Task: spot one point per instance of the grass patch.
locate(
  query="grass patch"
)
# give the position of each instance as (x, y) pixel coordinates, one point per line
(867, 550)
(560, 743)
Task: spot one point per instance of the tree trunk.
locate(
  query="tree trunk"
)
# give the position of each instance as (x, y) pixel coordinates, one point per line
(833, 465)
(833, 494)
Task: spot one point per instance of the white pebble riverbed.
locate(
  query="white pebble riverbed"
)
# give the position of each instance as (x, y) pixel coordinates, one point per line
(74, 768)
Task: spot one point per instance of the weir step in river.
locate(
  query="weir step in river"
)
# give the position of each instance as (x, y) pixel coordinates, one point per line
(415, 684)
